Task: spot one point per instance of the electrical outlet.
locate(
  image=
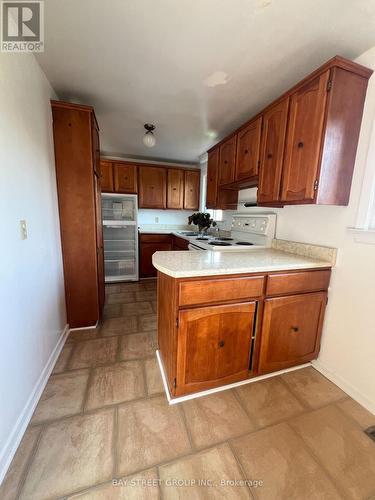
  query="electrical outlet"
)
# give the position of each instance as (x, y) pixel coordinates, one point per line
(23, 228)
(156, 220)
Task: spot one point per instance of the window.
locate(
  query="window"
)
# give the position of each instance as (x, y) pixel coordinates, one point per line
(217, 215)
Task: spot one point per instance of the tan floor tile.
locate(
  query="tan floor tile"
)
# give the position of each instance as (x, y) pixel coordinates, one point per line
(147, 322)
(112, 311)
(73, 454)
(154, 306)
(342, 447)
(136, 346)
(62, 361)
(94, 353)
(119, 326)
(150, 431)
(120, 298)
(153, 377)
(312, 388)
(16, 472)
(215, 465)
(353, 409)
(63, 396)
(115, 384)
(279, 458)
(136, 308)
(150, 284)
(146, 295)
(132, 287)
(268, 401)
(109, 289)
(79, 335)
(215, 418)
(143, 486)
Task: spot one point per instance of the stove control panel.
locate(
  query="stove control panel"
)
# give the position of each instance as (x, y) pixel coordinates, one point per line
(252, 224)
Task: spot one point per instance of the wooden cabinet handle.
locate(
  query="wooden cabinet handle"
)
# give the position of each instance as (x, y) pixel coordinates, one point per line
(246, 151)
(174, 189)
(221, 343)
(295, 329)
(225, 161)
(300, 145)
(269, 156)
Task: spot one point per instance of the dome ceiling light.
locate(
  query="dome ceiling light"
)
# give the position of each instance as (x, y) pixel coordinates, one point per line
(149, 138)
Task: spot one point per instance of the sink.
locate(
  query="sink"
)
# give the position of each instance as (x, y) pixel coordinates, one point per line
(188, 233)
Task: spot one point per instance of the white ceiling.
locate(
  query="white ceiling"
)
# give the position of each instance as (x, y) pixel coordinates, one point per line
(190, 66)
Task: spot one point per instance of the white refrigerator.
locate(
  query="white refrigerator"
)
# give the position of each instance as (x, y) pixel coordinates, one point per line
(120, 235)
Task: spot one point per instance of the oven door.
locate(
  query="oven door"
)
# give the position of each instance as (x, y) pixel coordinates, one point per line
(195, 248)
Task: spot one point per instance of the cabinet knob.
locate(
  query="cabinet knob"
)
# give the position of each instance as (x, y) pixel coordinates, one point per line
(295, 329)
(269, 156)
(221, 343)
(174, 189)
(246, 151)
(300, 145)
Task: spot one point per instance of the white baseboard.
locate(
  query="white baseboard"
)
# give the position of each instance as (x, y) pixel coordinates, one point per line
(84, 327)
(10, 447)
(345, 386)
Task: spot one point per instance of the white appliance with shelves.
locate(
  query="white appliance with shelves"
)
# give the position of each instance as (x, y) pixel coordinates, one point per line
(120, 235)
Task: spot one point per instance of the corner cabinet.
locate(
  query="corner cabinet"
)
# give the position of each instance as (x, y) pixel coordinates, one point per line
(217, 330)
(76, 140)
(308, 140)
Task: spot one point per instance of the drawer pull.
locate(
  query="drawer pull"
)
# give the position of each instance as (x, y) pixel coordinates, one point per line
(300, 145)
(221, 343)
(295, 329)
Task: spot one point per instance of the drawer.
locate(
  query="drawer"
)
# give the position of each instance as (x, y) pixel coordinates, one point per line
(307, 281)
(155, 238)
(219, 290)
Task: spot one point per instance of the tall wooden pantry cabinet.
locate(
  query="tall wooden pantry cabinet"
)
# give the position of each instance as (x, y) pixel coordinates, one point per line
(77, 157)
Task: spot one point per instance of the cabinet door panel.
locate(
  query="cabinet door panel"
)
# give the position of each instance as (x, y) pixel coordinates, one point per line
(191, 195)
(291, 330)
(227, 161)
(106, 176)
(304, 138)
(248, 145)
(147, 250)
(152, 187)
(175, 190)
(272, 152)
(125, 178)
(212, 178)
(213, 346)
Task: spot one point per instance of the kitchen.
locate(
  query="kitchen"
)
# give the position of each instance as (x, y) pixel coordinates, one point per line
(181, 275)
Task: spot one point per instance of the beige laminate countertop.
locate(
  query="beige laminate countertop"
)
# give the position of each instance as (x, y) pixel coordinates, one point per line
(183, 264)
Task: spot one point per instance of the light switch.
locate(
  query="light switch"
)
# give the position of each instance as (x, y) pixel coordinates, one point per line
(23, 228)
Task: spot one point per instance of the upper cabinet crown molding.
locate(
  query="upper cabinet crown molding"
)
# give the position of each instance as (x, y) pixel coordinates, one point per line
(306, 146)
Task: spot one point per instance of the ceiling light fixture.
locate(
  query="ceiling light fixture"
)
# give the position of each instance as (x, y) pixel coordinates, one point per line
(149, 138)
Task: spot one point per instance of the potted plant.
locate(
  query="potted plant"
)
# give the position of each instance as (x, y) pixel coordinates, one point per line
(202, 220)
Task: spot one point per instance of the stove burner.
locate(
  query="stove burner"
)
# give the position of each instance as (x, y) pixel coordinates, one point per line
(220, 243)
(202, 238)
(223, 239)
(244, 243)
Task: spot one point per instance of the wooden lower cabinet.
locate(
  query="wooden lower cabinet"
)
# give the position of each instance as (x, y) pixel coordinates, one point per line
(148, 245)
(213, 346)
(291, 330)
(180, 243)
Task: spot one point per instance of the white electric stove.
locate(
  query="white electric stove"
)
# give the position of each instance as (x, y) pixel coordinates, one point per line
(248, 232)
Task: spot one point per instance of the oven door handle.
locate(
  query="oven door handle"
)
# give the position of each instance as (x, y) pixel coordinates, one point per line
(194, 248)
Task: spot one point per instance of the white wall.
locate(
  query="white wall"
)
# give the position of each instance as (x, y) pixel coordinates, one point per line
(148, 216)
(31, 278)
(348, 345)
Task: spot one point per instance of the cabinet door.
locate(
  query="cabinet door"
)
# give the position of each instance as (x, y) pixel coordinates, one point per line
(175, 189)
(212, 178)
(125, 178)
(227, 161)
(147, 250)
(152, 187)
(272, 152)
(248, 146)
(303, 142)
(213, 346)
(106, 176)
(191, 195)
(291, 330)
(99, 243)
(180, 243)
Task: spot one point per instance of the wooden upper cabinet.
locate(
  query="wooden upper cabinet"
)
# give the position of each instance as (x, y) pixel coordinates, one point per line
(191, 191)
(291, 330)
(175, 189)
(248, 147)
(152, 187)
(106, 176)
(125, 176)
(304, 140)
(213, 346)
(272, 152)
(212, 178)
(227, 161)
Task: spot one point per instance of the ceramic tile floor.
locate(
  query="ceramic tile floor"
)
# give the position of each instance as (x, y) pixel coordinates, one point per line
(103, 428)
